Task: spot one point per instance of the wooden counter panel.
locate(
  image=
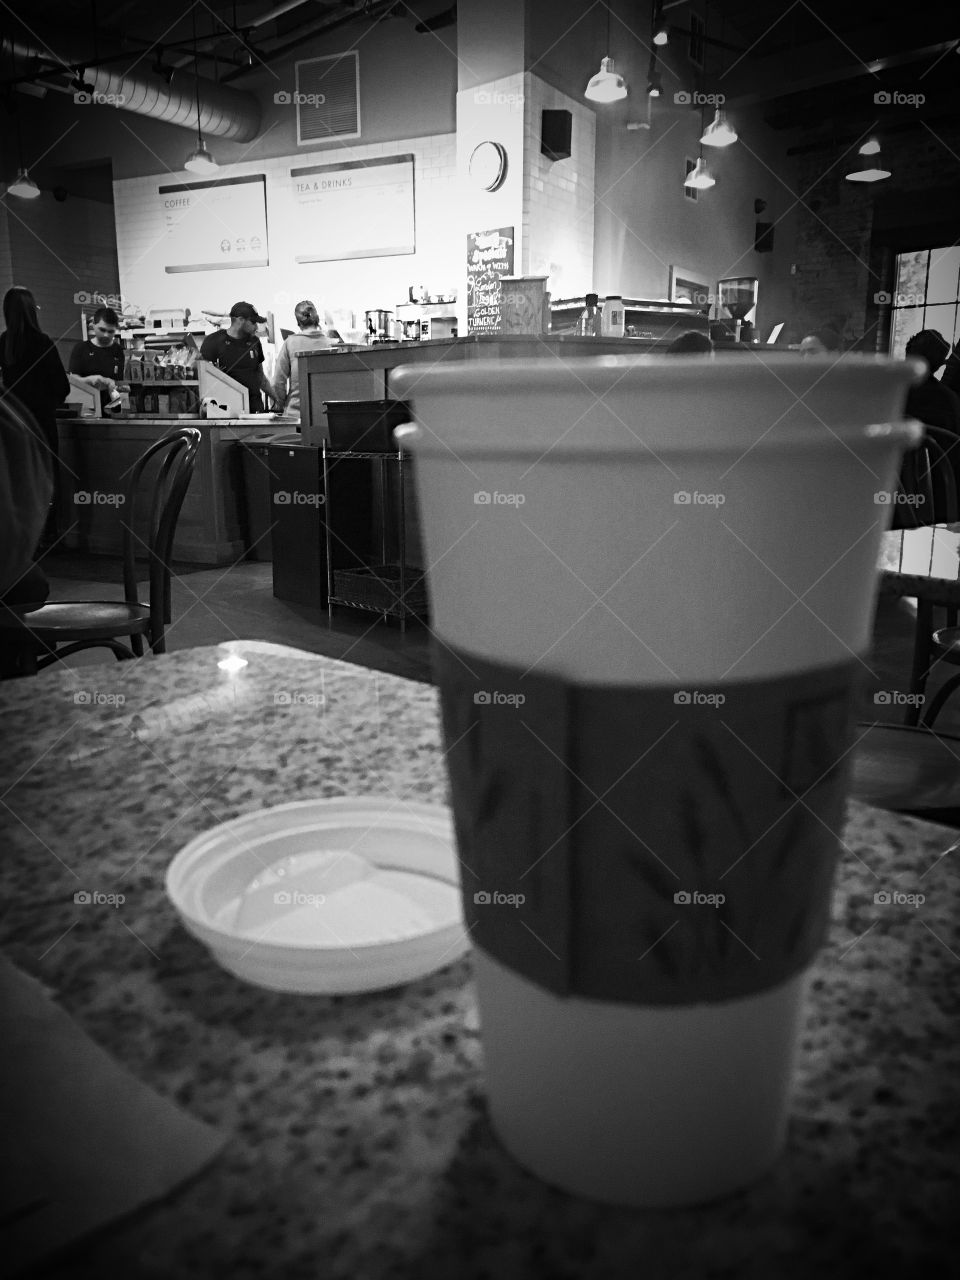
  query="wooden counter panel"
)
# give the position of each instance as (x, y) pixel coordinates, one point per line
(97, 457)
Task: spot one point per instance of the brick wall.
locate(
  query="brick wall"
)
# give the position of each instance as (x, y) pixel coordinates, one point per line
(838, 269)
(57, 250)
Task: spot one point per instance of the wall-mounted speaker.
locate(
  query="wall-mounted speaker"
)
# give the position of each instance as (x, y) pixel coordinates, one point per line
(763, 237)
(556, 131)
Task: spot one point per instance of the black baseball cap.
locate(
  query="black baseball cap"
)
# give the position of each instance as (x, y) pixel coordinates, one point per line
(246, 311)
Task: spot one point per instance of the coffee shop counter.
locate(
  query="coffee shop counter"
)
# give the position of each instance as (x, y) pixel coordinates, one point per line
(357, 1142)
(97, 454)
(363, 373)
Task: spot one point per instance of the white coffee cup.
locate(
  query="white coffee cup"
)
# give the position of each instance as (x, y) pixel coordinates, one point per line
(559, 541)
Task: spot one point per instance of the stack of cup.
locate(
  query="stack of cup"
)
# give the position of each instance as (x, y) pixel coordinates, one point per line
(652, 585)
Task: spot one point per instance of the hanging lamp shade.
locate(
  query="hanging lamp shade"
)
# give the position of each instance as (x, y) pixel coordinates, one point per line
(23, 186)
(869, 166)
(201, 161)
(607, 85)
(699, 177)
(719, 132)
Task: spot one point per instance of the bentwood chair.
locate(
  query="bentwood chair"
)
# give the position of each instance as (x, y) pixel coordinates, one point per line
(56, 630)
(927, 568)
(909, 767)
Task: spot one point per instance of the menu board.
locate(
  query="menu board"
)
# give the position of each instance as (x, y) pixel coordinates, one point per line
(215, 225)
(357, 209)
(489, 259)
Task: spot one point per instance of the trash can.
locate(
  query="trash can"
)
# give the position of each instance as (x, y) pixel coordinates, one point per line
(295, 477)
(366, 426)
(258, 500)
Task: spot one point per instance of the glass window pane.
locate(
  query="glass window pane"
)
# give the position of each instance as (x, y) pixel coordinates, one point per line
(912, 273)
(944, 274)
(904, 325)
(940, 318)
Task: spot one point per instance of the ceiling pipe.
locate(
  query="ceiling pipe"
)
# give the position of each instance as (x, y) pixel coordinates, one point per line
(208, 42)
(372, 13)
(224, 112)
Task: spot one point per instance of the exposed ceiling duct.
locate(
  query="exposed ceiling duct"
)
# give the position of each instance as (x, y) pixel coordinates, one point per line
(224, 112)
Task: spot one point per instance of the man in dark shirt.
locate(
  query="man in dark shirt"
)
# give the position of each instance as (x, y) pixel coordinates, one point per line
(931, 401)
(99, 361)
(237, 351)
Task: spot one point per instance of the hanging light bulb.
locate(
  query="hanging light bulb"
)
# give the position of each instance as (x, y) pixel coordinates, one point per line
(661, 34)
(869, 167)
(607, 85)
(23, 186)
(199, 161)
(654, 85)
(699, 177)
(719, 132)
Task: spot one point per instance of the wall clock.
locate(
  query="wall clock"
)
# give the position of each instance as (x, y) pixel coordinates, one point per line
(488, 165)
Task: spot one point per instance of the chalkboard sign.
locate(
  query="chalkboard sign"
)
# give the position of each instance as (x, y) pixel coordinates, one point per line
(489, 259)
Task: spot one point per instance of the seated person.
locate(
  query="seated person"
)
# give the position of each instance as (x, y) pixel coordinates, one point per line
(98, 361)
(930, 401)
(821, 342)
(26, 486)
(237, 351)
(690, 343)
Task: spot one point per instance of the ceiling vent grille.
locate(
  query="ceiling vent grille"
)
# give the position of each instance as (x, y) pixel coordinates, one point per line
(328, 98)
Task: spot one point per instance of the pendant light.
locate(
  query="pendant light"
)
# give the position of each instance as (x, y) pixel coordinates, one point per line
(699, 178)
(199, 161)
(719, 132)
(869, 166)
(607, 85)
(23, 185)
(661, 34)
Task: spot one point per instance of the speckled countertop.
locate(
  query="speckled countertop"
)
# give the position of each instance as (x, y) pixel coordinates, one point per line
(359, 1145)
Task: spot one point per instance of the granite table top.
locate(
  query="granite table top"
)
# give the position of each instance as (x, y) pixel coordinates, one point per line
(358, 1140)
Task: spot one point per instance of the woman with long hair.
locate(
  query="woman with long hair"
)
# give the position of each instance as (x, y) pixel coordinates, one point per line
(32, 370)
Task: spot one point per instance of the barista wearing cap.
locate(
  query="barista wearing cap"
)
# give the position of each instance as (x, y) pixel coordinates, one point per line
(237, 351)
